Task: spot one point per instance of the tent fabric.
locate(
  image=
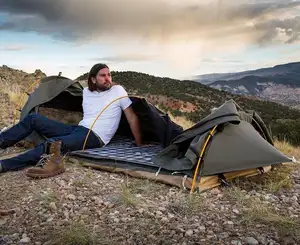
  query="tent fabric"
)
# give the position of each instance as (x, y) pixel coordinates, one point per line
(155, 125)
(49, 88)
(238, 147)
(244, 140)
(247, 149)
(241, 146)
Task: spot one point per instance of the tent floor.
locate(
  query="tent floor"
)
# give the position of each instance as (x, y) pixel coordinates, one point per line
(121, 155)
(123, 149)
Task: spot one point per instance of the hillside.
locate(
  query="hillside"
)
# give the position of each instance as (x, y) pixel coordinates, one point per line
(18, 79)
(280, 83)
(291, 72)
(13, 84)
(86, 206)
(194, 101)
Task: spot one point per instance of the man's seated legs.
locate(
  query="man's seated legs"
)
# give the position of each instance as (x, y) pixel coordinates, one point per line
(57, 148)
(28, 158)
(33, 122)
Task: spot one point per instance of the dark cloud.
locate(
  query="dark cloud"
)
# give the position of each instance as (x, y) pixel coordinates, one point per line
(289, 28)
(50, 9)
(154, 20)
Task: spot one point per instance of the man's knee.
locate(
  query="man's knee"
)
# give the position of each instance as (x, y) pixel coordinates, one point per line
(31, 117)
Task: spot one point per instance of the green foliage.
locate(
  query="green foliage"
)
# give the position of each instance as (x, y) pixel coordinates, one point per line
(287, 130)
(205, 98)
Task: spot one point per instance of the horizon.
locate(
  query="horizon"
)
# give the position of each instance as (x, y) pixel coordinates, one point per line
(178, 40)
(30, 72)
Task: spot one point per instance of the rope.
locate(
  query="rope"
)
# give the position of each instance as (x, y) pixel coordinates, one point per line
(22, 97)
(200, 157)
(97, 119)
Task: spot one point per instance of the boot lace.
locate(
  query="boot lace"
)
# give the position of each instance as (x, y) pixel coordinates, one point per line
(43, 160)
(3, 152)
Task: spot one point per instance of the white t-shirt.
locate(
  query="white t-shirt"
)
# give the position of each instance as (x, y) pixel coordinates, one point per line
(108, 122)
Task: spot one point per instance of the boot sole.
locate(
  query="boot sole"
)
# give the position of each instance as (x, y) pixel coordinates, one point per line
(40, 176)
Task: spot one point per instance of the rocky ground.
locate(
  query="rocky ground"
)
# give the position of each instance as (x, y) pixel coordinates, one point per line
(86, 206)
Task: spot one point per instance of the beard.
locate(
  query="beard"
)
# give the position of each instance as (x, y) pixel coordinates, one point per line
(101, 87)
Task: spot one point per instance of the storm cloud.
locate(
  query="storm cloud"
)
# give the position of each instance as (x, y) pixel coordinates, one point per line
(259, 22)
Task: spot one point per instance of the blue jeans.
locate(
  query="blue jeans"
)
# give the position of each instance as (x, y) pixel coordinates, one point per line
(72, 138)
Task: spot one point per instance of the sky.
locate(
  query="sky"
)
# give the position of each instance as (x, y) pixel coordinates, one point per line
(168, 38)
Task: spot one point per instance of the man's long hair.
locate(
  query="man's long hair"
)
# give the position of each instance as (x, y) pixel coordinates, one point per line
(93, 73)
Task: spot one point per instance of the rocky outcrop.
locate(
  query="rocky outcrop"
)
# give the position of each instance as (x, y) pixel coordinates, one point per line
(18, 78)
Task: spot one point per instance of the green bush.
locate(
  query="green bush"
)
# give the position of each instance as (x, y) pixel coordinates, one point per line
(287, 129)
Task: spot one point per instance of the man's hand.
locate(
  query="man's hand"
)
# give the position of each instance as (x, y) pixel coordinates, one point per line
(134, 125)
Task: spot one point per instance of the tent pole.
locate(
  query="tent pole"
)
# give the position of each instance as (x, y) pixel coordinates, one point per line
(98, 117)
(200, 157)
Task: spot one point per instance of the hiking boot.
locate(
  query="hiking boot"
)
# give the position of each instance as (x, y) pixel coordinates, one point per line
(50, 165)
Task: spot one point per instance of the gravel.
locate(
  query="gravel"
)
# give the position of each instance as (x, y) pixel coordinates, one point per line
(116, 209)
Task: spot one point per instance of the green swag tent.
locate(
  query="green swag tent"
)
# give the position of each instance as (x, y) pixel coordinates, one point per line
(227, 143)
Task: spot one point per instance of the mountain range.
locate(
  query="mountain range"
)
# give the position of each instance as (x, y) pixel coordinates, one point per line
(280, 83)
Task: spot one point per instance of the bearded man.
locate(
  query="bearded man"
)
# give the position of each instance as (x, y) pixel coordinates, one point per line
(62, 138)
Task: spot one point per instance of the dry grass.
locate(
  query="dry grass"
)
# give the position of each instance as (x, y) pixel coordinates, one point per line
(271, 182)
(236, 194)
(80, 182)
(76, 234)
(182, 121)
(16, 101)
(127, 197)
(257, 212)
(84, 179)
(15, 93)
(145, 187)
(47, 197)
(288, 149)
(277, 179)
(187, 205)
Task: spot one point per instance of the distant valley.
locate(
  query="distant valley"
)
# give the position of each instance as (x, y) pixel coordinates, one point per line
(280, 83)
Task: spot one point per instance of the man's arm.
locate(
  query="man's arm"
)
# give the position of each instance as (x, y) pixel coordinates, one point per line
(134, 125)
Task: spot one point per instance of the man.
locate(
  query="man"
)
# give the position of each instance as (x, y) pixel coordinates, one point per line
(63, 138)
